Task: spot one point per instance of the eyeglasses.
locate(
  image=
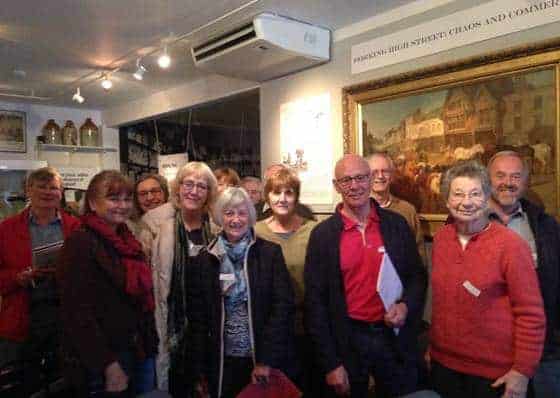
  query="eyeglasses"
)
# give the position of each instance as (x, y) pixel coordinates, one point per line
(346, 182)
(189, 186)
(382, 172)
(154, 192)
(460, 196)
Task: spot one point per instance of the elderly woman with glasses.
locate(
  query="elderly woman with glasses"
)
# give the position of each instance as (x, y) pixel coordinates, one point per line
(487, 328)
(150, 192)
(181, 229)
(243, 304)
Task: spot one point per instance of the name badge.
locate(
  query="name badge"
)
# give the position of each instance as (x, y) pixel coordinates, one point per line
(227, 277)
(381, 249)
(471, 288)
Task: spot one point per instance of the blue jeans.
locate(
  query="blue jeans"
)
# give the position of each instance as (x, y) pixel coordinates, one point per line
(141, 377)
(546, 381)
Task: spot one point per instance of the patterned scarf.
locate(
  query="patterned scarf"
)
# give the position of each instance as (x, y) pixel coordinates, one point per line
(177, 321)
(138, 275)
(232, 263)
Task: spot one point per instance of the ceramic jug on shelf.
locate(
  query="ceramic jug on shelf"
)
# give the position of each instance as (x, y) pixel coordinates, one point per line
(69, 133)
(51, 133)
(89, 133)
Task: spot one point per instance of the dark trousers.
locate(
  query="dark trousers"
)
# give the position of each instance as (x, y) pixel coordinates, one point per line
(310, 380)
(237, 374)
(375, 347)
(452, 384)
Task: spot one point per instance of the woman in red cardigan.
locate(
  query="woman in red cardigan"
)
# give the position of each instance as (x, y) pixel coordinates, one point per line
(488, 322)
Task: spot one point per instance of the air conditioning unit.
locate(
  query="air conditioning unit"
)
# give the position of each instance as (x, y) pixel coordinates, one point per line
(268, 47)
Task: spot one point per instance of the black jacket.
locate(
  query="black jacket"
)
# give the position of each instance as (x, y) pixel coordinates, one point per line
(272, 312)
(327, 321)
(547, 238)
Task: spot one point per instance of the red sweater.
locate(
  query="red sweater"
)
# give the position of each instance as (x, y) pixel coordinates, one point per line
(15, 256)
(499, 324)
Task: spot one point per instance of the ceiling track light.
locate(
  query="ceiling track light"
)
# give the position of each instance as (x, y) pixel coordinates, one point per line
(78, 97)
(140, 70)
(106, 83)
(164, 59)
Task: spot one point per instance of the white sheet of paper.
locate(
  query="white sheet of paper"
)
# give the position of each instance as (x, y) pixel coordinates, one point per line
(389, 285)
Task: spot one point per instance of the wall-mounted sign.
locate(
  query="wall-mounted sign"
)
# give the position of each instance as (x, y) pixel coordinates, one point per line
(307, 146)
(77, 177)
(168, 165)
(493, 19)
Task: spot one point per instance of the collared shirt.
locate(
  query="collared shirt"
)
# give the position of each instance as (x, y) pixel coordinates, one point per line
(519, 222)
(44, 292)
(42, 235)
(360, 260)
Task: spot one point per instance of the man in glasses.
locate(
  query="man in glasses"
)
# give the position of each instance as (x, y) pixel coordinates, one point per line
(382, 171)
(360, 320)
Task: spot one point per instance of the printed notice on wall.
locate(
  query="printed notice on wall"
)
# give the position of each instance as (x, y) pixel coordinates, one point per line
(493, 19)
(306, 145)
(169, 165)
(77, 177)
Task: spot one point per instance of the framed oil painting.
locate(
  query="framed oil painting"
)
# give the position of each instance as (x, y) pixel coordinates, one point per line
(430, 119)
(12, 131)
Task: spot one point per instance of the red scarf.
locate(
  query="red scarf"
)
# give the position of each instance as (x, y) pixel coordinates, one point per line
(138, 275)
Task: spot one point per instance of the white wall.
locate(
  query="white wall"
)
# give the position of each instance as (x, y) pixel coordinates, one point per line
(37, 116)
(334, 76)
(190, 94)
(329, 78)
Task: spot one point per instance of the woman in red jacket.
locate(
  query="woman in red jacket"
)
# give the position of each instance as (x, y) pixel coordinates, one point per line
(488, 322)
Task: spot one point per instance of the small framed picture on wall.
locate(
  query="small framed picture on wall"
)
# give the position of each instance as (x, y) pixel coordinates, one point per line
(12, 131)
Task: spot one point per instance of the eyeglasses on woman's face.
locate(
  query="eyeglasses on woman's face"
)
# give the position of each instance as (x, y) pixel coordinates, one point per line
(189, 185)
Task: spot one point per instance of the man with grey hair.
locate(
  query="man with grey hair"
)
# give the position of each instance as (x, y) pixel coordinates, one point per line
(382, 170)
(349, 324)
(509, 177)
(253, 186)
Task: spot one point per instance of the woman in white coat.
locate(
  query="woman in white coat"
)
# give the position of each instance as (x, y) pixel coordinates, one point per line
(180, 229)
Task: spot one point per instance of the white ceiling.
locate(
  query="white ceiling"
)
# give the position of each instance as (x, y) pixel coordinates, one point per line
(63, 44)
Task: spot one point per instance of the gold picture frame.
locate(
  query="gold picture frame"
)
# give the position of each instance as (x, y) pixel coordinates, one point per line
(13, 131)
(429, 118)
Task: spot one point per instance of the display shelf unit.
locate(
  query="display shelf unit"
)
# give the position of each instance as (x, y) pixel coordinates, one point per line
(138, 150)
(74, 148)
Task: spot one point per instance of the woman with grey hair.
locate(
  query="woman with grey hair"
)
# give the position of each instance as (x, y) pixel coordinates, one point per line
(180, 229)
(487, 327)
(243, 304)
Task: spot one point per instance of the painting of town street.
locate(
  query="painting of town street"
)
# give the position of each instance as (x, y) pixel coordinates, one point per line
(425, 133)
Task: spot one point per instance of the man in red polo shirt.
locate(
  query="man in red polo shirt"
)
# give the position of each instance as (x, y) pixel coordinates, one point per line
(354, 332)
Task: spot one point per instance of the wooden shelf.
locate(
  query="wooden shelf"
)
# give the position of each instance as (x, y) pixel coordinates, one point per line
(141, 145)
(74, 148)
